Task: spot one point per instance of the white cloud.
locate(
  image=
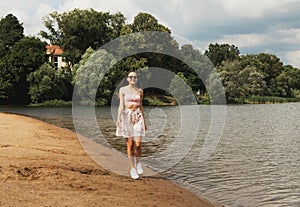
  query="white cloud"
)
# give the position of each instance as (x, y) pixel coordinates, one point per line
(128, 8)
(244, 40)
(28, 13)
(289, 36)
(275, 37)
(254, 8)
(33, 24)
(292, 58)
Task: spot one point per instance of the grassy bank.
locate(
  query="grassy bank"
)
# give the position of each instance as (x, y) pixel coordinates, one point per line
(53, 103)
(263, 100)
(165, 100)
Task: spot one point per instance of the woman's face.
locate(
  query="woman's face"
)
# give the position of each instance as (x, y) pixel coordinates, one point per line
(132, 78)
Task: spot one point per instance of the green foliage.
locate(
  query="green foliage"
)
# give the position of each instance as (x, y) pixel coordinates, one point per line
(24, 57)
(77, 30)
(92, 73)
(280, 80)
(241, 82)
(53, 103)
(293, 77)
(11, 31)
(6, 81)
(252, 81)
(262, 100)
(46, 83)
(224, 52)
(272, 66)
(198, 68)
(146, 22)
(180, 90)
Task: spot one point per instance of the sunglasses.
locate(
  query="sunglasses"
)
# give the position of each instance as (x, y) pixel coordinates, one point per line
(132, 77)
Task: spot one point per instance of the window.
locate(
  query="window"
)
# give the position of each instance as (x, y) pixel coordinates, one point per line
(55, 62)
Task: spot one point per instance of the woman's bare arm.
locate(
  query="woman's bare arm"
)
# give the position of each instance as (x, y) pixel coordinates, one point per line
(141, 105)
(121, 104)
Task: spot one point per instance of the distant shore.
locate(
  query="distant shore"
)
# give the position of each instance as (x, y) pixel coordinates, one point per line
(45, 165)
(166, 100)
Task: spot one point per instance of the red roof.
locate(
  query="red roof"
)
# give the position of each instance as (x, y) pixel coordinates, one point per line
(54, 50)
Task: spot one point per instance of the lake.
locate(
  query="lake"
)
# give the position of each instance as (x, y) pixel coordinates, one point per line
(256, 161)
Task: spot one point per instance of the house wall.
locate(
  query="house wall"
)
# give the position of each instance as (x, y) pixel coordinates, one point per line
(57, 61)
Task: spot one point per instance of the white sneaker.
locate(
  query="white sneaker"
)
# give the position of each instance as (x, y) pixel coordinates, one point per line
(134, 174)
(139, 168)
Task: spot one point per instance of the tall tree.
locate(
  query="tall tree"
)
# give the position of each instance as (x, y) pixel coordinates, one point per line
(241, 82)
(229, 74)
(6, 82)
(146, 22)
(25, 57)
(294, 76)
(11, 31)
(77, 30)
(252, 81)
(92, 69)
(218, 53)
(271, 68)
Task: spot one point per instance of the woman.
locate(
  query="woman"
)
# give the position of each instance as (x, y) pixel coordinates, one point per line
(131, 123)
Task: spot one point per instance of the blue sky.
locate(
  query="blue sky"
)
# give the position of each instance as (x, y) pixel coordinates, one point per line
(254, 26)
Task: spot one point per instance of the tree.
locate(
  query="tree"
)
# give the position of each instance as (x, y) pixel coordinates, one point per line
(47, 83)
(77, 30)
(6, 82)
(271, 68)
(11, 31)
(229, 74)
(109, 81)
(219, 53)
(252, 81)
(146, 22)
(25, 56)
(241, 82)
(147, 29)
(90, 78)
(294, 76)
(180, 90)
(199, 64)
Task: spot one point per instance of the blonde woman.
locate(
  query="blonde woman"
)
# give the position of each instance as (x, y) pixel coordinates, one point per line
(131, 123)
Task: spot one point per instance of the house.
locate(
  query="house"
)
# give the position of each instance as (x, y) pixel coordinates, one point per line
(55, 55)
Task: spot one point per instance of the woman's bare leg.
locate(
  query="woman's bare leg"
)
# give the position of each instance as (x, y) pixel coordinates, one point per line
(138, 153)
(138, 148)
(130, 151)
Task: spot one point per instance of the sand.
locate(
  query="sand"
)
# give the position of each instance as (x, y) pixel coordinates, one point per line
(44, 165)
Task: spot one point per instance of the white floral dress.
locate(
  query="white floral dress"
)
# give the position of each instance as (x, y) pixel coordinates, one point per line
(131, 121)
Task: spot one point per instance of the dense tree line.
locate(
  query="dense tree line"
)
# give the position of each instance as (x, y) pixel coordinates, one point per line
(253, 75)
(27, 77)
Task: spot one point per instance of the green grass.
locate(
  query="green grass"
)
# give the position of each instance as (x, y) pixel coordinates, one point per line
(53, 103)
(263, 100)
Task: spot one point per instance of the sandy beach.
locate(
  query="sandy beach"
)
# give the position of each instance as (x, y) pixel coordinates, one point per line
(44, 165)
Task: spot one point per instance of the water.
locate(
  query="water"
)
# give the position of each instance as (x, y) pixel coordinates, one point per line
(256, 162)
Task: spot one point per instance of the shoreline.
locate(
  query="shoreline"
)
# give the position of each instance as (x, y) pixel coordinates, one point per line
(42, 164)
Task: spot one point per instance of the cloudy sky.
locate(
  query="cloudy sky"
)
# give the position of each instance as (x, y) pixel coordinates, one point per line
(254, 26)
